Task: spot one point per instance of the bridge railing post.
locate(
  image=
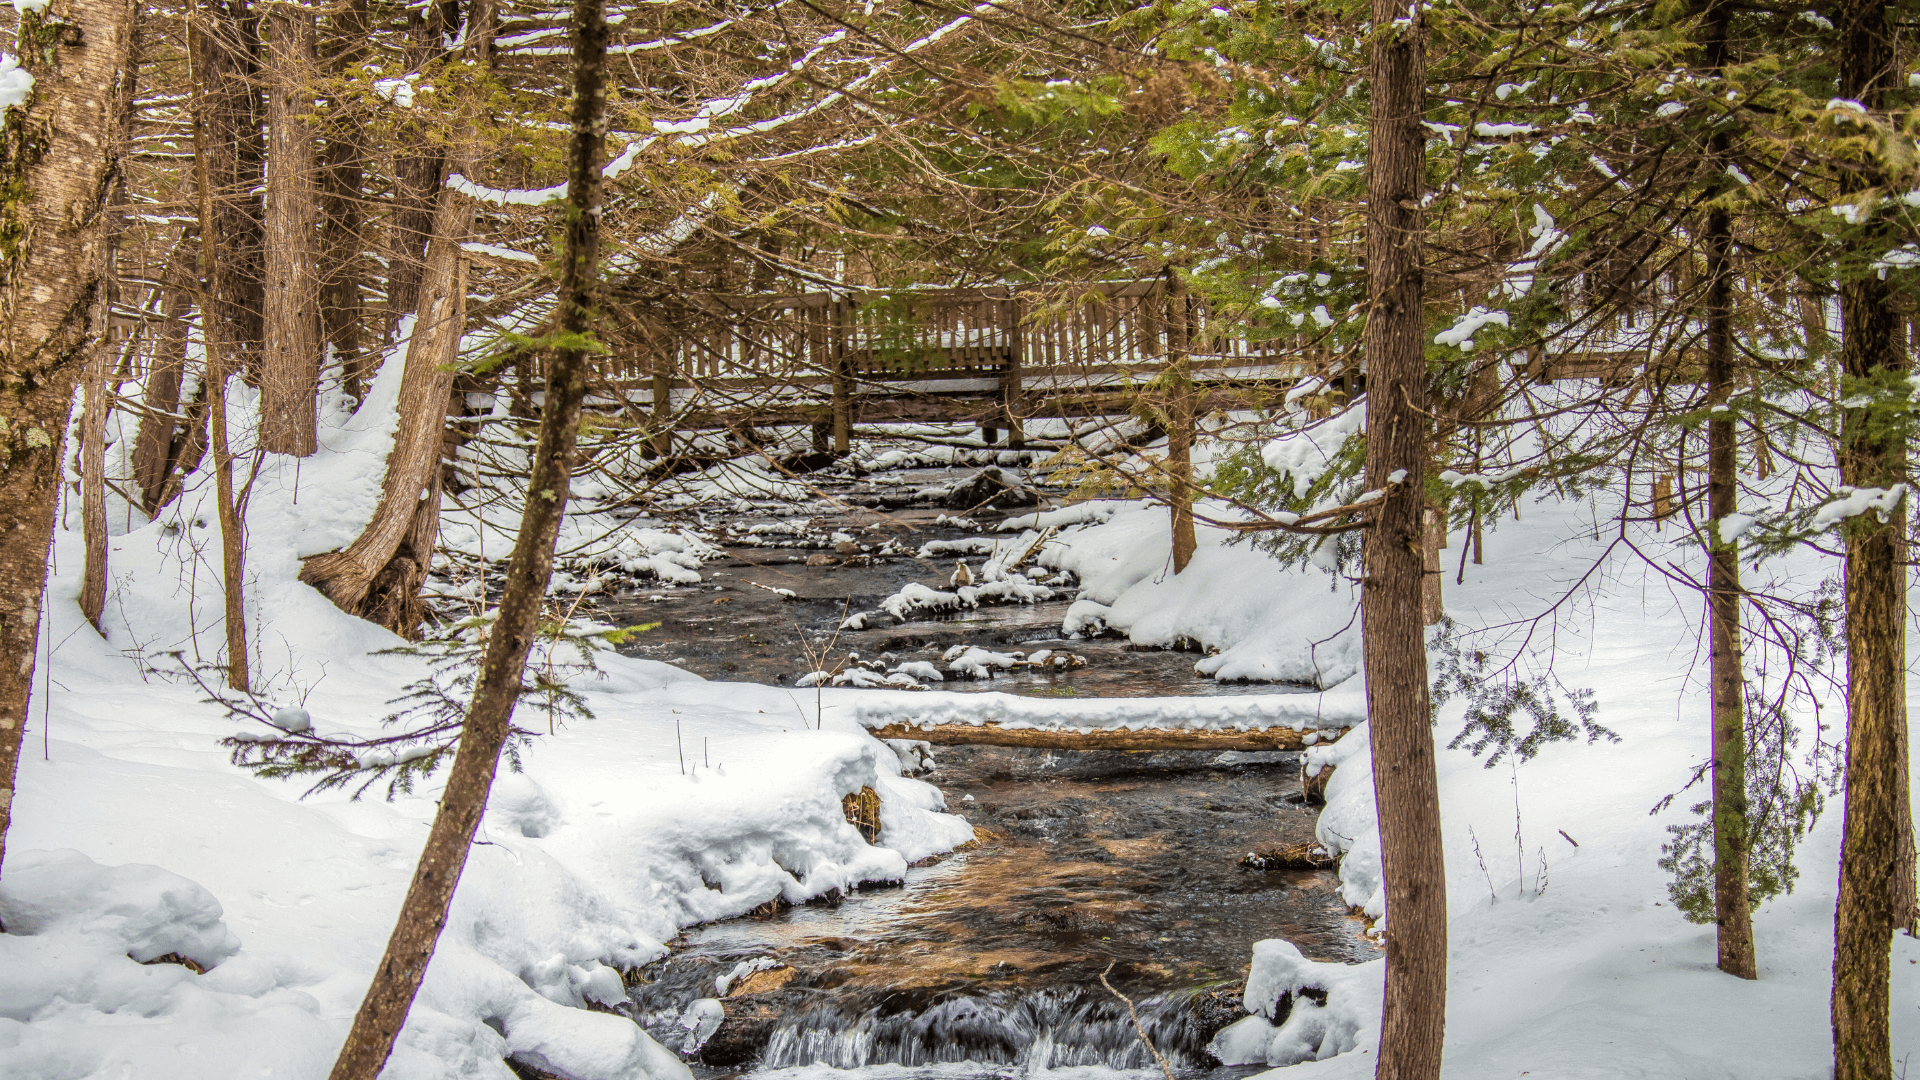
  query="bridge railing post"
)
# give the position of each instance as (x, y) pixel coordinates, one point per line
(840, 311)
(1013, 379)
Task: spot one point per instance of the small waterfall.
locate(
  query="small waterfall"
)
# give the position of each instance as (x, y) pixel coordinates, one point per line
(1041, 1029)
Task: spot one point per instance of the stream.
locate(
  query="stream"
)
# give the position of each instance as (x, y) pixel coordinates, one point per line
(988, 962)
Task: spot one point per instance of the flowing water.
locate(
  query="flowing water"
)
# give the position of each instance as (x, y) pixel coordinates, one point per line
(1122, 867)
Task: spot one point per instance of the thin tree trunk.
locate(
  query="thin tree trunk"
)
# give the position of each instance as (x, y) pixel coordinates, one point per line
(1732, 902)
(290, 357)
(342, 222)
(1179, 379)
(161, 447)
(52, 284)
(1870, 456)
(1406, 791)
(417, 176)
(1732, 906)
(213, 334)
(529, 571)
(93, 482)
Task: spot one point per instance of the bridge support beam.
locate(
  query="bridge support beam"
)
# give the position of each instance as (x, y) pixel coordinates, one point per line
(1116, 739)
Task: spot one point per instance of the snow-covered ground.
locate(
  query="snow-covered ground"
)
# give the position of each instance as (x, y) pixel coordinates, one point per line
(681, 800)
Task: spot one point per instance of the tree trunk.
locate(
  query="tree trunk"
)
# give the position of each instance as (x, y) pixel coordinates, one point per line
(290, 358)
(348, 577)
(416, 184)
(220, 366)
(1433, 539)
(1406, 791)
(1732, 906)
(171, 441)
(1179, 379)
(529, 571)
(226, 59)
(1870, 456)
(341, 221)
(93, 482)
(58, 154)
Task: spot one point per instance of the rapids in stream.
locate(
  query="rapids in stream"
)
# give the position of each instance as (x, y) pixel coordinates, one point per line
(1096, 879)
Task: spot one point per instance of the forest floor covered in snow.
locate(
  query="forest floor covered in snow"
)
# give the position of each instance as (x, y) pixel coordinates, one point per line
(684, 800)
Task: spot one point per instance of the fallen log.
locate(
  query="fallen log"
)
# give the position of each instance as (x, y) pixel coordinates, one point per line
(1105, 739)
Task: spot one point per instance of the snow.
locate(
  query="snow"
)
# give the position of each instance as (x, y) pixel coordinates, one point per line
(134, 837)
(1460, 334)
(1262, 622)
(16, 82)
(1852, 502)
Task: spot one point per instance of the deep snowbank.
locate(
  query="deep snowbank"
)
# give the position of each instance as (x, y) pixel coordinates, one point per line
(1261, 621)
(1569, 961)
(680, 801)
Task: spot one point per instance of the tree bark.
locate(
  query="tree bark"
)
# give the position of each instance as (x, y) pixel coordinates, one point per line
(1732, 906)
(348, 577)
(417, 175)
(1406, 791)
(1870, 456)
(1179, 378)
(226, 58)
(93, 482)
(220, 366)
(173, 433)
(341, 221)
(290, 357)
(529, 571)
(58, 153)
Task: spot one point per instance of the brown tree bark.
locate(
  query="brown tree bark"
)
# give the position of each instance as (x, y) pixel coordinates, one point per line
(290, 354)
(417, 174)
(1732, 905)
(173, 433)
(220, 366)
(378, 575)
(59, 151)
(1406, 791)
(1179, 380)
(529, 571)
(93, 482)
(1732, 901)
(403, 516)
(342, 222)
(1870, 456)
(225, 51)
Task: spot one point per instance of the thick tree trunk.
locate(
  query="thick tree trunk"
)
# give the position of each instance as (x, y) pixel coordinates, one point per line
(226, 59)
(1870, 456)
(290, 357)
(1179, 379)
(529, 570)
(348, 577)
(1406, 792)
(1732, 906)
(58, 151)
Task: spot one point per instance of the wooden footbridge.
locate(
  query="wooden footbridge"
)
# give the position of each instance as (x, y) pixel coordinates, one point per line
(996, 357)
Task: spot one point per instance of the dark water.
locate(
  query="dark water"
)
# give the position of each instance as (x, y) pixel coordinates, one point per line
(987, 963)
